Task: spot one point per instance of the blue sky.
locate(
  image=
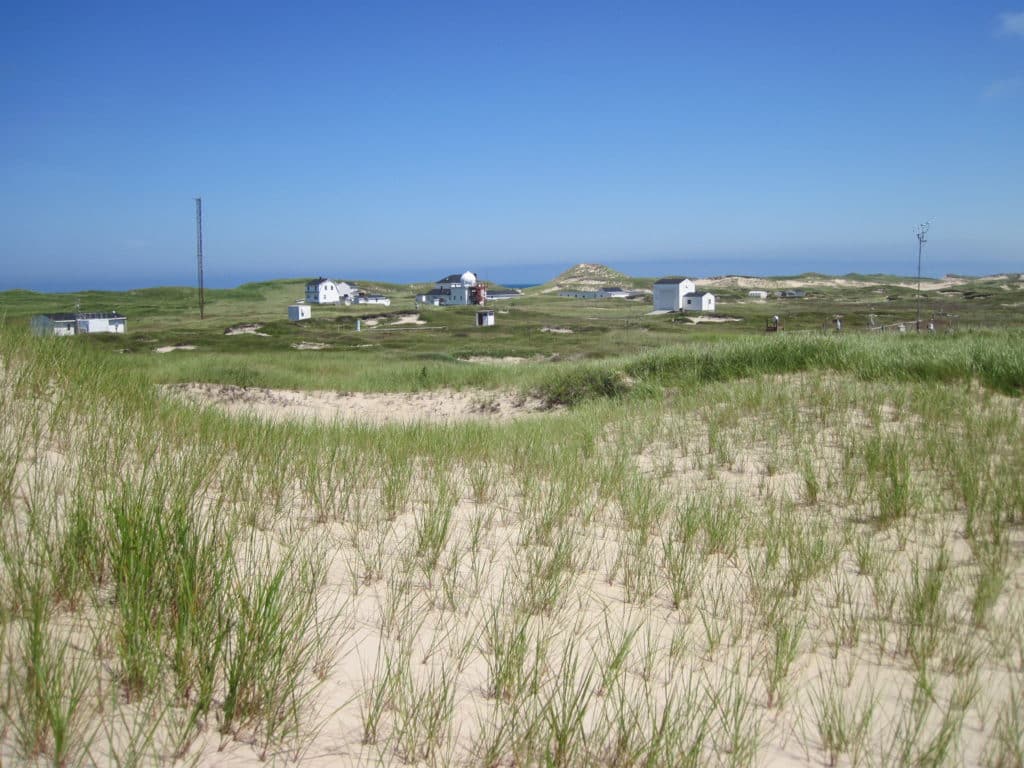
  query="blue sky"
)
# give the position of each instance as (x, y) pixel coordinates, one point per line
(405, 140)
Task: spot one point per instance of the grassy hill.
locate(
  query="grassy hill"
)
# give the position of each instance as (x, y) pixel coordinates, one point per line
(589, 277)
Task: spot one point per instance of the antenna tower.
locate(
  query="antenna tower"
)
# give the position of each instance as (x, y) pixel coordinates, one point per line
(922, 238)
(199, 253)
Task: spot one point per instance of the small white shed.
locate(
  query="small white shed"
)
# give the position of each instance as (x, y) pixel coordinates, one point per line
(757, 294)
(701, 301)
(298, 312)
(485, 317)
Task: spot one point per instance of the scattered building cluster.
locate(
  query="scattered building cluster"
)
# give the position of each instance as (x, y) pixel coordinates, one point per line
(679, 294)
(325, 291)
(71, 323)
(458, 290)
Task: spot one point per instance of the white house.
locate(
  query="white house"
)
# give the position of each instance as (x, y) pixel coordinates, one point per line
(298, 312)
(674, 294)
(455, 290)
(324, 291)
(70, 323)
(700, 301)
(669, 293)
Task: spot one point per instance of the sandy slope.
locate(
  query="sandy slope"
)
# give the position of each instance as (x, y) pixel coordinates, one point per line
(443, 406)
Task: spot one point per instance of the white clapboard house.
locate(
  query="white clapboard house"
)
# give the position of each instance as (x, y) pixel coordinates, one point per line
(675, 294)
(324, 291)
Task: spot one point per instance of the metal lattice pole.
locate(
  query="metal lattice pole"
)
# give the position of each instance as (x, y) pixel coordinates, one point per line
(922, 238)
(199, 253)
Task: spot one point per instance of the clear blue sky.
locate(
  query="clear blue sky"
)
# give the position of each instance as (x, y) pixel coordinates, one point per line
(406, 140)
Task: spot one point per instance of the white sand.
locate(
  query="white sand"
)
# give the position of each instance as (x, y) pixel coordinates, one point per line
(436, 407)
(508, 360)
(696, 319)
(310, 345)
(671, 646)
(245, 328)
(173, 348)
(412, 319)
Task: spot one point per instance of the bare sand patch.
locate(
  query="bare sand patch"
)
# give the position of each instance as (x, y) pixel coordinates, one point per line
(174, 348)
(246, 328)
(407, 318)
(703, 319)
(508, 360)
(546, 329)
(410, 319)
(434, 407)
(310, 345)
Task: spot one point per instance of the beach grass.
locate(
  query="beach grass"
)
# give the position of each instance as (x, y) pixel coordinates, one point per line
(719, 550)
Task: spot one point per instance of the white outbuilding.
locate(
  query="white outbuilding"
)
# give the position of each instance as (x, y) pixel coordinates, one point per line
(485, 318)
(700, 301)
(669, 293)
(757, 294)
(298, 312)
(71, 323)
(371, 298)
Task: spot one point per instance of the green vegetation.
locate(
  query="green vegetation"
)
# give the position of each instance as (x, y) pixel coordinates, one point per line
(542, 327)
(730, 544)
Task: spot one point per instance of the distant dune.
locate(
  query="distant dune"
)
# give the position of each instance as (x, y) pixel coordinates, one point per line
(590, 276)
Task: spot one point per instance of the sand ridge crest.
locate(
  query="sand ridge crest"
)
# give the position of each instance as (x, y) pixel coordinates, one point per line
(433, 406)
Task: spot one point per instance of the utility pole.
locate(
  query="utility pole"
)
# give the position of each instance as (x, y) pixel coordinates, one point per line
(922, 238)
(199, 253)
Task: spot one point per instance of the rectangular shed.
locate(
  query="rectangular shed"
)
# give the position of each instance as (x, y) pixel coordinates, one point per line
(298, 312)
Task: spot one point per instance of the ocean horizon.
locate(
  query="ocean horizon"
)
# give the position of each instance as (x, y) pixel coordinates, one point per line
(512, 276)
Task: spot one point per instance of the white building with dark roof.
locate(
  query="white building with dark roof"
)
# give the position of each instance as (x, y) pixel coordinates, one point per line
(455, 289)
(669, 292)
(324, 291)
(674, 294)
(699, 301)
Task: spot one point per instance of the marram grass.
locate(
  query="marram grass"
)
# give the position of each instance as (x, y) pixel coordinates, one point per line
(723, 552)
